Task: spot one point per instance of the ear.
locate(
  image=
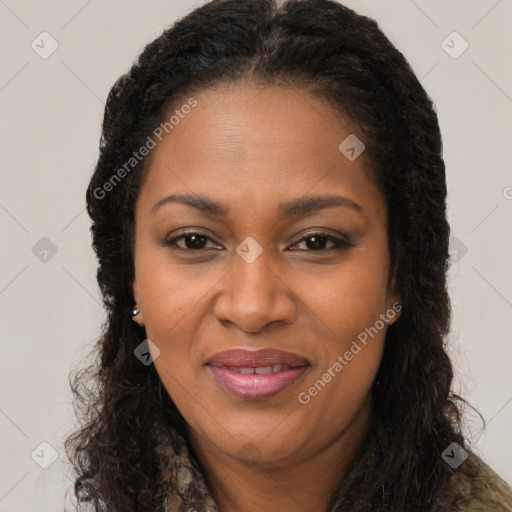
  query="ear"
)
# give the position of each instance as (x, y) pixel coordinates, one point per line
(393, 305)
(139, 317)
(393, 311)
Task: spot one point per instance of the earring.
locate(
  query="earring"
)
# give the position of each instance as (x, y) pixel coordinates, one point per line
(135, 311)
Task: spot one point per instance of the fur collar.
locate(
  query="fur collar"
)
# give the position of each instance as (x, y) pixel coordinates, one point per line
(478, 487)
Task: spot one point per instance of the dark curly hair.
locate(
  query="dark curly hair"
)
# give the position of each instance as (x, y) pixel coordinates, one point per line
(326, 49)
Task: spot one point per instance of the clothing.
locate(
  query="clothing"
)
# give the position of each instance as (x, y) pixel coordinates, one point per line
(478, 489)
(481, 489)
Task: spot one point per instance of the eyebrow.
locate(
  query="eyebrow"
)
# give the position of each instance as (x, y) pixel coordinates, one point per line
(295, 207)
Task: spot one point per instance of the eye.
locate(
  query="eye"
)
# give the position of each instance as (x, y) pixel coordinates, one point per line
(193, 241)
(196, 241)
(316, 242)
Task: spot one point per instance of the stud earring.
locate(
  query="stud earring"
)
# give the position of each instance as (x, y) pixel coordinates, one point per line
(135, 311)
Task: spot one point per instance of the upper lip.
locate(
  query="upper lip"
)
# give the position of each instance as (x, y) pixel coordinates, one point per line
(256, 358)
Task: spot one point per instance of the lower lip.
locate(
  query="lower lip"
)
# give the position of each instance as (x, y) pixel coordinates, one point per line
(253, 386)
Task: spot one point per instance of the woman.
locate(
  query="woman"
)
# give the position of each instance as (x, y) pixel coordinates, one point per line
(268, 211)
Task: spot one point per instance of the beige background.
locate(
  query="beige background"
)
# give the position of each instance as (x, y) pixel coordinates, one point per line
(51, 111)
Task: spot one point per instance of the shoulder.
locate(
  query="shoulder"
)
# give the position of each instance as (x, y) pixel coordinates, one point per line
(479, 489)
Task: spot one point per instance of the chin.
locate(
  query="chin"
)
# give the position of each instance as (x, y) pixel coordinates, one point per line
(258, 439)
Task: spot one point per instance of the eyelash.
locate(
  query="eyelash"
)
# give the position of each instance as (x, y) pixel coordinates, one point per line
(338, 243)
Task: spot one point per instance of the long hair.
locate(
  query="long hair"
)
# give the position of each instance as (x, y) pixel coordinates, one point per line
(328, 50)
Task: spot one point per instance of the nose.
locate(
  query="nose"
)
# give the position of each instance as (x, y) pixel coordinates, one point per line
(255, 295)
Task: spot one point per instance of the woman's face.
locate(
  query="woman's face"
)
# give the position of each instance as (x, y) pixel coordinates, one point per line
(254, 273)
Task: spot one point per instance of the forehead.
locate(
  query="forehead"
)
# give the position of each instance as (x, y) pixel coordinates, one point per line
(242, 142)
(238, 123)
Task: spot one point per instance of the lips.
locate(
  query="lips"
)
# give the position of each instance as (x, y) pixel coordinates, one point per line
(257, 374)
(256, 359)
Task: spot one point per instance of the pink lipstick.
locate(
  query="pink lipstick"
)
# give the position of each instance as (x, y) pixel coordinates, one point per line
(254, 375)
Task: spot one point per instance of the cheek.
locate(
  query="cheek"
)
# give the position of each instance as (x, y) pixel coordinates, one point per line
(174, 301)
(170, 294)
(345, 298)
(337, 387)
(338, 397)
(348, 308)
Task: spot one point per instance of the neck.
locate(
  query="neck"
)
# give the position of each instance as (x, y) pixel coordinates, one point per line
(300, 483)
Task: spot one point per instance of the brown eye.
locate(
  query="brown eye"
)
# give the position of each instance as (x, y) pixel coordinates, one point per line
(314, 242)
(317, 242)
(192, 241)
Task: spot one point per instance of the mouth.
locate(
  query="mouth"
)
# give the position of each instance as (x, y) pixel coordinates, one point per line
(254, 375)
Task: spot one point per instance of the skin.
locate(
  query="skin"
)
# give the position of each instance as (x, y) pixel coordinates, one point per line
(252, 148)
